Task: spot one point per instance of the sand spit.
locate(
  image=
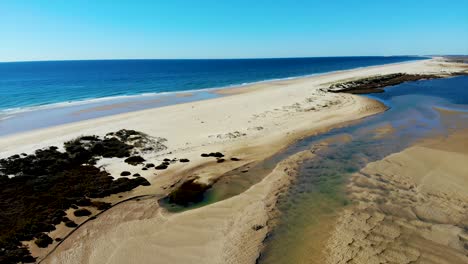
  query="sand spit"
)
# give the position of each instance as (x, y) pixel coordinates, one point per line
(230, 231)
(411, 207)
(251, 124)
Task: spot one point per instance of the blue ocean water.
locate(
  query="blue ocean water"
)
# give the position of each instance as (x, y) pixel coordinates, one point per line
(30, 84)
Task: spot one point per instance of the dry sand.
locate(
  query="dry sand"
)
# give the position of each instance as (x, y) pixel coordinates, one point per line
(252, 123)
(411, 207)
(230, 231)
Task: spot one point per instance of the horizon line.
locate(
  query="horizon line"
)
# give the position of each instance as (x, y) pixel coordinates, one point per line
(242, 58)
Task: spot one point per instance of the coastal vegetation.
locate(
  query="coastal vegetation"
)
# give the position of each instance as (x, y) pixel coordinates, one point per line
(38, 188)
(375, 84)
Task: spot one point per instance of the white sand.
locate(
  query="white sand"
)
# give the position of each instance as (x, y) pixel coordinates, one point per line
(252, 123)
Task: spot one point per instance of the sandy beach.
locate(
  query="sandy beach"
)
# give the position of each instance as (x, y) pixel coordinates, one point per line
(252, 123)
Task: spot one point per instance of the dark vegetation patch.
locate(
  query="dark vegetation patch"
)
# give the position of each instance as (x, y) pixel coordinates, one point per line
(188, 193)
(161, 167)
(376, 84)
(70, 223)
(134, 160)
(139, 140)
(184, 160)
(101, 205)
(43, 240)
(82, 212)
(125, 173)
(36, 189)
(213, 154)
(235, 159)
(149, 165)
(257, 227)
(220, 160)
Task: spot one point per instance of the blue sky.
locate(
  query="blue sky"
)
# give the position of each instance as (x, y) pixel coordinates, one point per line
(103, 29)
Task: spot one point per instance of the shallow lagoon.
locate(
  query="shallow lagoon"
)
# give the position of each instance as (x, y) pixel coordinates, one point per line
(307, 210)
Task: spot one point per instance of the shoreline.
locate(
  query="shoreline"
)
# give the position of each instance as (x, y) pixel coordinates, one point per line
(121, 104)
(251, 125)
(28, 108)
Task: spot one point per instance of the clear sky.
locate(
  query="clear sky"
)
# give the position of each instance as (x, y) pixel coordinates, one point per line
(104, 29)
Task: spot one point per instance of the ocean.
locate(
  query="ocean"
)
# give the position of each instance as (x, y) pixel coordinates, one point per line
(29, 84)
(47, 93)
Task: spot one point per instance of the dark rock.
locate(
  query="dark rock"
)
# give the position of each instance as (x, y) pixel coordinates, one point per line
(184, 160)
(149, 165)
(235, 159)
(220, 160)
(144, 168)
(136, 175)
(58, 239)
(205, 155)
(166, 159)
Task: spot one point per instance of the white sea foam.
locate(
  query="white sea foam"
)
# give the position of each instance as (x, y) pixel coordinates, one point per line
(6, 113)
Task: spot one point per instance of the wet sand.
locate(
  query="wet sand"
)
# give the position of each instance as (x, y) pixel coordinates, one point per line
(410, 207)
(251, 125)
